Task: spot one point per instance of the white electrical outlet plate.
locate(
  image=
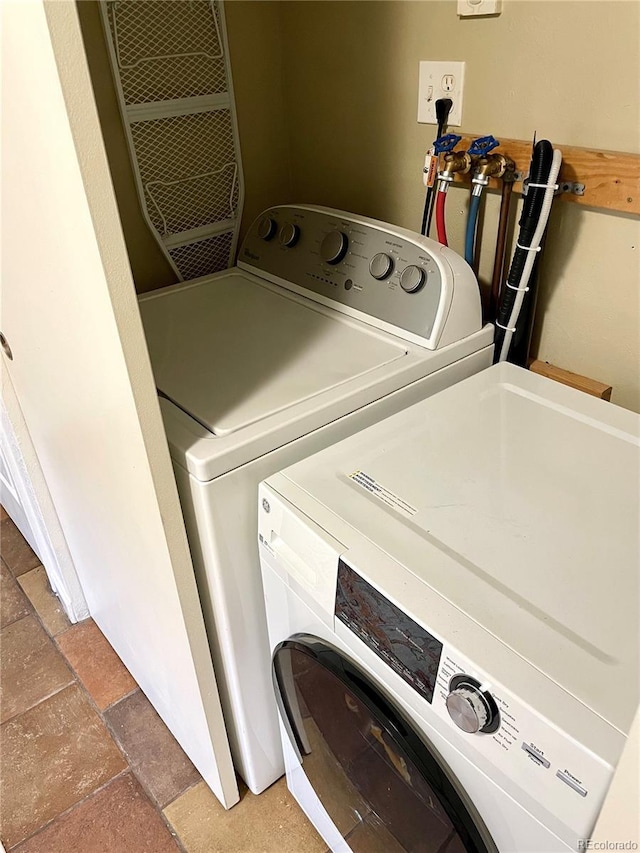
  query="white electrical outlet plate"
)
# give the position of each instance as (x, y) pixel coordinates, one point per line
(469, 8)
(440, 80)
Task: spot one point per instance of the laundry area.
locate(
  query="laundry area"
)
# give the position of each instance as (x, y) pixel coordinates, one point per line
(321, 420)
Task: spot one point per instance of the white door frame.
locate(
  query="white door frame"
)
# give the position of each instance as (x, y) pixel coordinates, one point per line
(35, 514)
(82, 375)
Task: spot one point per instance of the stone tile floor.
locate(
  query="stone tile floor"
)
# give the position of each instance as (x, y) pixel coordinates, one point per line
(87, 766)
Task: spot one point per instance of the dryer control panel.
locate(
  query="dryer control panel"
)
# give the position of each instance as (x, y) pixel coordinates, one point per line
(557, 773)
(390, 277)
(487, 722)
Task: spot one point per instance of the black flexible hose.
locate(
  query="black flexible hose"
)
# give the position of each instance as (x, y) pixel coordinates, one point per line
(538, 174)
(427, 206)
(521, 342)
(501, 250)
(443, 108)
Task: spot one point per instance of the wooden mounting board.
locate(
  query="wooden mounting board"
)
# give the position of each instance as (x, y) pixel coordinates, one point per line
(611, 178)
(573, 380)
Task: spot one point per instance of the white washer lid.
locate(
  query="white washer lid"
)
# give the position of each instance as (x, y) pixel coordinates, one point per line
(518, 500)
(230, 351)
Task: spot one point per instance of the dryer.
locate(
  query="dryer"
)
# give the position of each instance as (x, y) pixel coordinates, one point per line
(452, 603)
(329, 322)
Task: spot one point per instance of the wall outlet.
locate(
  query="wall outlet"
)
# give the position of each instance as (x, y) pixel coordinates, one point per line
(440, 80)
(469, 8)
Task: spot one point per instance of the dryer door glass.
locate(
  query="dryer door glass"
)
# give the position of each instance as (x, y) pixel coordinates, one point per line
(384, 787)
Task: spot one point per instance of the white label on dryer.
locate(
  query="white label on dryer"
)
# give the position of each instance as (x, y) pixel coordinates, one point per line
(379, 491)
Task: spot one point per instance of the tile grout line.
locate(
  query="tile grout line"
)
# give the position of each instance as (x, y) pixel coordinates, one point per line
(97, 710)
(154, 803)
(128, 769)
(156, 806)
(7, 523)
(173, 831)
(77, 681)
(29, 606)
(126, 695)
(34, 610)
(13, 621)
(64, 813)
(26, 597)
(34, 613)
(41, 701)
(147, 792)
(186, 790)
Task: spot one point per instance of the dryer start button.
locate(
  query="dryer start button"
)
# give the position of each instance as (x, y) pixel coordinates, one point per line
(535, 754)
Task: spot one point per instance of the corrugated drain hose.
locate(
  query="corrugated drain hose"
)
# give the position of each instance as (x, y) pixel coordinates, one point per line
(544, 170)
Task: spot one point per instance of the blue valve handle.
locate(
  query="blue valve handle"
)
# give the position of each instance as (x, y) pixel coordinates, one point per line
(446, 143)
(482, 145)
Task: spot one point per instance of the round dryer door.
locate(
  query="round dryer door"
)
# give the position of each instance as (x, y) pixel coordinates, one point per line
(384, 787)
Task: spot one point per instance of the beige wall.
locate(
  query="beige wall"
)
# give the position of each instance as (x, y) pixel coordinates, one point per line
(326, 96)
(350, 83)
(256, 51)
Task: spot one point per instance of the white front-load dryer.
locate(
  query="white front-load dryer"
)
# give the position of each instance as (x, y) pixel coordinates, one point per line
(330, 322)
(452, 603)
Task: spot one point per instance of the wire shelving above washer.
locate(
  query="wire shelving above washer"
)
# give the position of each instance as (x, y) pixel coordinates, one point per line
(171, 67)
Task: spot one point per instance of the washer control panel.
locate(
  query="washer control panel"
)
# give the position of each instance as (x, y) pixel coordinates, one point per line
(400, 281)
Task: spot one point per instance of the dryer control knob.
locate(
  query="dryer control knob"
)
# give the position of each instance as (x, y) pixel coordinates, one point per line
(468, 709)
(267, 228)
(381, 266)
(289, 234)
(334, 247)
(412, 278)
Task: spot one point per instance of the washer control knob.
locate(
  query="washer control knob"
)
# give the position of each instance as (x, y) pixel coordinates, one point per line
(381, 266)
(267, 228)
(334, 247)
(468, 709)
(289, 234)
(412, 278)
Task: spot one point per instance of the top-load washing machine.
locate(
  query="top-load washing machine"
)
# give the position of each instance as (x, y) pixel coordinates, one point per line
(452, 602)
(330, 322)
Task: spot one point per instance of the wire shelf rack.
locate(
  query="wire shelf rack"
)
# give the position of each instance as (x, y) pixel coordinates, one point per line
(167, 49)
(192, 203)
(179, 160)
(175, 147)
(203, 257)
(170, 65)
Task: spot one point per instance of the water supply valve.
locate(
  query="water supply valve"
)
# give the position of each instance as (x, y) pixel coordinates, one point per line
(443, 145)
(446, 143)
(481, 146)
(488, 165)
(454, 161)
